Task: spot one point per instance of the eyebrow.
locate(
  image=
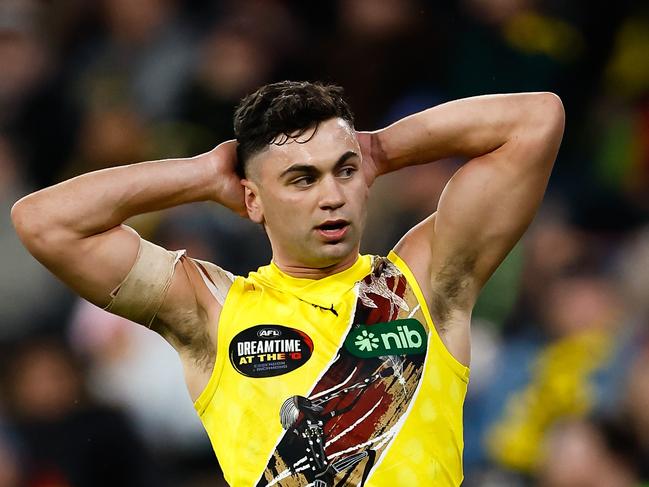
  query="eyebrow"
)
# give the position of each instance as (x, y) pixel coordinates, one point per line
(311, 169)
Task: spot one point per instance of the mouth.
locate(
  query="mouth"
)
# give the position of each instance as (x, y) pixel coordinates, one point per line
(333, 230)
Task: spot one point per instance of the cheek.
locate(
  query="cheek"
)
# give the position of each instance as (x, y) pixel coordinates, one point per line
(286, 210)
(358, 195)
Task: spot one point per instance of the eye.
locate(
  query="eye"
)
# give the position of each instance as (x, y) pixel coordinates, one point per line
(303, 181)
(347, 171)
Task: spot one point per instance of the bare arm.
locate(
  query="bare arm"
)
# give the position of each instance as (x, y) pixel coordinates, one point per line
(75, 228)
(512, 142)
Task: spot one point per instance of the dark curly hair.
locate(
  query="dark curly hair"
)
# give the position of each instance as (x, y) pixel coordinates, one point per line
(282, 111)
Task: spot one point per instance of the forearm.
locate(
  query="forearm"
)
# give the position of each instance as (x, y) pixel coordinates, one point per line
(470, 127)
(95, 202)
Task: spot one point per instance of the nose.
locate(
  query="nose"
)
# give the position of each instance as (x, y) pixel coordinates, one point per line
(331, 196)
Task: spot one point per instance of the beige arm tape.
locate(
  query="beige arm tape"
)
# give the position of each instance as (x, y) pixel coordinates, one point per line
(140, 295)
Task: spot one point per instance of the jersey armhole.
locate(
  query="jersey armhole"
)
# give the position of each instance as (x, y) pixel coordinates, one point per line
(461, 370)
(225, 317)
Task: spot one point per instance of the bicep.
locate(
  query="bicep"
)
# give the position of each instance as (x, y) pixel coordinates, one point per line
(92, 266)
(175, 295)
(128, 276)
(486, 207)
(154, 292)
(483, 211)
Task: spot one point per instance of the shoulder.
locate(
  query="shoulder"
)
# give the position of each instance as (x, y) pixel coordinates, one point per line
(217, 280)
(438, 271)
(414, 251)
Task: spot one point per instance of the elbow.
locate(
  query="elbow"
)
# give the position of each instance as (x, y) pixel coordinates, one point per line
(540, 130)
(541, 122)
(30, 225)
(550, 116)
(20, 216)
(23, 218)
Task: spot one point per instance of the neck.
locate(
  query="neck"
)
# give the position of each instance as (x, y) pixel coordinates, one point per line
(305, 272)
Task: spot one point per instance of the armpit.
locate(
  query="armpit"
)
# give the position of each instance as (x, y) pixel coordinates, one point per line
(139, 296)
(451, 285)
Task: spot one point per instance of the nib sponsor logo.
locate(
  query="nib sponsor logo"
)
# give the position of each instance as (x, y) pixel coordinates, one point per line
(366, 341)
(399, 337)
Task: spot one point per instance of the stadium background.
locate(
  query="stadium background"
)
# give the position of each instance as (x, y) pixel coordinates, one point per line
(559, 394)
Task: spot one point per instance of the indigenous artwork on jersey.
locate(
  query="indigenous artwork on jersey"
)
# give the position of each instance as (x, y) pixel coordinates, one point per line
(339, 433)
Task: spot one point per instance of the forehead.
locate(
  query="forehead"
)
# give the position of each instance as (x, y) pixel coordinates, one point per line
(322, 147)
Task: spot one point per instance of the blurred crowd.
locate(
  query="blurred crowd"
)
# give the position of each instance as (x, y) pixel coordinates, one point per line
(559, 393)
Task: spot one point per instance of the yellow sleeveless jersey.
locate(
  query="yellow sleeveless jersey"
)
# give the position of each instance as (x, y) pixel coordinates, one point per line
(334, 382)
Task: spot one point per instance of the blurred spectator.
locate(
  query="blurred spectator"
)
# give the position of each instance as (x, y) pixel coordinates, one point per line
(141, 57)
(635, 408)
(230, 66)
(11, 474)
(589, 453)
(30, 282)
(371, 49)
(213, 233)
(134, 368)
(403, 208)
(622, 115)
(542, 380)
(34, 108)
(509, 45)
(110, 136)
(23, 56)
(632, 262)
(239, 53)
(68, 440)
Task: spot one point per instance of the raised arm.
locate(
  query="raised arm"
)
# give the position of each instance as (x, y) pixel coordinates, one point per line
(512, 142)
(75, 228)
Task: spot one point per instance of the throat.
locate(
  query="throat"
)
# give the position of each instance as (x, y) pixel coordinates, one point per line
(306, 272)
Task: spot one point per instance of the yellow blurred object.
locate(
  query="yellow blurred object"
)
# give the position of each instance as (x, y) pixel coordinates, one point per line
(559, 388)
(537, 34)
(628, 70)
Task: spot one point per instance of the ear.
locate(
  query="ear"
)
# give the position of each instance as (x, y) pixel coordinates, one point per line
(254, 205)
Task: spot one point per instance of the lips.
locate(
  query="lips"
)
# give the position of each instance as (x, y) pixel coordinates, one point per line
(333, 230)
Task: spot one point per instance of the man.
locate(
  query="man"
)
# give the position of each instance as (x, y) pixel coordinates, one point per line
(325, 367)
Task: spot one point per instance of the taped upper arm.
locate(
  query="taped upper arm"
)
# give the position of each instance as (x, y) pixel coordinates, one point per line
(140, 294)
(171, 293)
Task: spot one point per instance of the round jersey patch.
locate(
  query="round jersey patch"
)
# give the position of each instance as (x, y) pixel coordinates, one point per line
(269, 350)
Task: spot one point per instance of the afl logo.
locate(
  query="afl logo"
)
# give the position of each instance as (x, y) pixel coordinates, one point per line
(268, 333)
